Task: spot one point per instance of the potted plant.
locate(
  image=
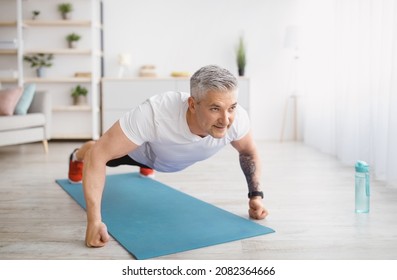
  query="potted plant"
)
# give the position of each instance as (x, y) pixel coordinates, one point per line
(40, 61)
(65, 9)
(79, 94)
(241, 57)
(72, 39)
(35, 14)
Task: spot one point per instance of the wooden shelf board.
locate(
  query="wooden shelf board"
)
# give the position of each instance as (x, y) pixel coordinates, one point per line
(65, 52)
(159, 78)
(8, 80)
(12, 51)
(59, 51)
(56, 23)
(58, 80)
(78, 108)
(8, 23)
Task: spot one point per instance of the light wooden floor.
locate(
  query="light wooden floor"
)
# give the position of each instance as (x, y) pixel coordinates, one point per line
(310, 197)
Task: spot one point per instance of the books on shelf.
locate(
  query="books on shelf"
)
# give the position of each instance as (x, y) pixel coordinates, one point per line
(8, 44)
(82, 74)
(8, 73)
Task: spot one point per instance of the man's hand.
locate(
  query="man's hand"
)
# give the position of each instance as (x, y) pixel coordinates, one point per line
(257, 211)
(96, 235)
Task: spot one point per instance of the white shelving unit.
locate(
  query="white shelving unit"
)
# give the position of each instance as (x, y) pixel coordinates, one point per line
(9, 49)
(47, 34)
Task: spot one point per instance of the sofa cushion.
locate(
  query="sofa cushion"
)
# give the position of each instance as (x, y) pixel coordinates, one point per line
(25, 100)
(8, 100)
(21, 121)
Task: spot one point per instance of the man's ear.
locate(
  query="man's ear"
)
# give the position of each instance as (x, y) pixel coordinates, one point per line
(192, 104)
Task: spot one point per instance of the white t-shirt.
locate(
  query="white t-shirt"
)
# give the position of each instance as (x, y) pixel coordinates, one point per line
(165, 141)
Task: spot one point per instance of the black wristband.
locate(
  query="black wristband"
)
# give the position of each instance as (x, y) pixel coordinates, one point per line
(255, 193)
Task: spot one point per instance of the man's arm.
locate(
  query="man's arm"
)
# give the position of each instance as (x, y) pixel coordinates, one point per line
(251, 166)
(111, 145)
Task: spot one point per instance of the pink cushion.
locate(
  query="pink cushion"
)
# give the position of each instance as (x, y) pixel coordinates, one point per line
(8, 100)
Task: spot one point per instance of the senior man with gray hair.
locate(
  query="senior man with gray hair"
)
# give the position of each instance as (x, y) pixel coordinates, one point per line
(167, 133)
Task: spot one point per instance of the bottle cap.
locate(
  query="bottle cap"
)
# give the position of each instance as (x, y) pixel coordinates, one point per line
(361, 166)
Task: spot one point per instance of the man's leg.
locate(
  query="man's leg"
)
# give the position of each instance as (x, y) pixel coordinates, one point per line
(76, 159)
(144, 171)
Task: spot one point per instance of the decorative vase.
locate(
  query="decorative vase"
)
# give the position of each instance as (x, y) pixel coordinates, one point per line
(72, 44)
(241, 72)
(66, 16)
(40, 72)
(80, 100)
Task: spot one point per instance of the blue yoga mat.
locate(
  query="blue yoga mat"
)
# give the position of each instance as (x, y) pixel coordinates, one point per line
(151, 219)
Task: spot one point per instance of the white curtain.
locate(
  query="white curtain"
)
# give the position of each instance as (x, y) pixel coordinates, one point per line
(348, 81)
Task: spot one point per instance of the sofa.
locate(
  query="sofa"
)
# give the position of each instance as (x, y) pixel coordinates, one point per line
(31, 126)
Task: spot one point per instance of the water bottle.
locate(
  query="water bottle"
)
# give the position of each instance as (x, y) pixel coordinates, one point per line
(362, 187)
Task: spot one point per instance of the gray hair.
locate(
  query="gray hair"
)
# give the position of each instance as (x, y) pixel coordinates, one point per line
(211, 78)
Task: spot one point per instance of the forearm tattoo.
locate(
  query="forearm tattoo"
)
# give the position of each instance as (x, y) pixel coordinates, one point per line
(248, 166)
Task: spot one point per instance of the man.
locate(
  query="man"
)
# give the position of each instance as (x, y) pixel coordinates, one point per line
(168, 133)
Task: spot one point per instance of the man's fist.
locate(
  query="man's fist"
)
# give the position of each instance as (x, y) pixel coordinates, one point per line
(96, 235)
(256, 209)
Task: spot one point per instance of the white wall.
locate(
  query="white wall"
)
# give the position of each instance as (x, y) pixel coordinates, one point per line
(183, 35)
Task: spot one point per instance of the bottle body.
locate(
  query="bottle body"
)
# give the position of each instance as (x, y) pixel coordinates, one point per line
(362, 189)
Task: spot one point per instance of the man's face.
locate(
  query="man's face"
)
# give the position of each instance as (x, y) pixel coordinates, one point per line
(214, 114)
